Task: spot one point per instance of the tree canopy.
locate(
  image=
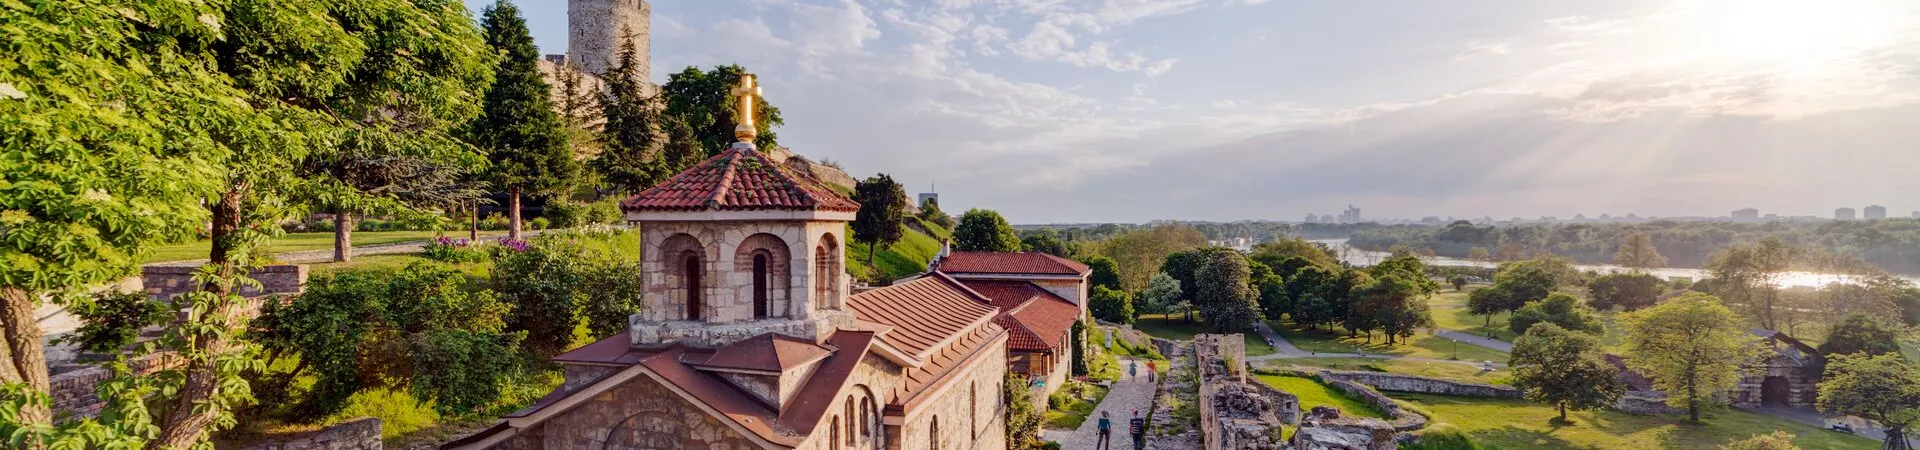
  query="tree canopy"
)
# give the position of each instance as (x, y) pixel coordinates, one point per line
(983, 230)
(1223, 292)
(1860, 333)
(1881, 388)
(883, 204)
(1105, 271)
(703, 101)
(1560, 309)
(1565, 369)
(524, 139)
(1110, 305)
(1638, 252)
(1692, 347)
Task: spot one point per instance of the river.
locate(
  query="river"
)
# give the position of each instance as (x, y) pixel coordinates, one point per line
(1359, 257)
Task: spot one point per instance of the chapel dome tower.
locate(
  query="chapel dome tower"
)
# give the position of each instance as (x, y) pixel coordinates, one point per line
(737, 246)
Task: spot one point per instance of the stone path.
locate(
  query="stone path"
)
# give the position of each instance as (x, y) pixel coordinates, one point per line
(1470, 338)
(1129, 394)
(1284, 349)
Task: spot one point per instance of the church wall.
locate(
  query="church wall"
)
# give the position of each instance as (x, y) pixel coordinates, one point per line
(638, 414)
(873, 376)
(1073, 291)
(984, 427)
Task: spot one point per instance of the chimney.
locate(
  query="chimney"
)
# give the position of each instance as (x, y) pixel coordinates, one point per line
(946, 248)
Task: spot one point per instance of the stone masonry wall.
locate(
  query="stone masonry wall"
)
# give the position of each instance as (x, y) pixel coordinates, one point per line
(76, 392)
(358, 434)
(1423, 385)
(1234, 414)
(596, 29)
(168, 281)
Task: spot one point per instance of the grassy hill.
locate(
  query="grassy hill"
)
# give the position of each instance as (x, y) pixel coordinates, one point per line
(907, 257)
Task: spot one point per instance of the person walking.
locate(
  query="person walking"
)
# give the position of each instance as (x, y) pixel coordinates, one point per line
(1106, 433)
(1133, 368)
(1150, 371)
(1138, 427)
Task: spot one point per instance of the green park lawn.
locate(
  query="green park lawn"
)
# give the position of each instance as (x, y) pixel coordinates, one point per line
(1450, 313)
(905, 257)
(1431, 369)
(1179, 329)
(297, 242)
(1076, 410)
(1312, 394)
(1421, 345)
(1519, 424)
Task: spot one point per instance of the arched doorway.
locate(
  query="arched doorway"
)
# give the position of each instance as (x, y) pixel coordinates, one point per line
(1774, 391)
(693, 268)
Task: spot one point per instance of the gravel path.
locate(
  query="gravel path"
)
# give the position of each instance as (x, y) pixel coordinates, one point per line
(1475, 339)
(1129, 394)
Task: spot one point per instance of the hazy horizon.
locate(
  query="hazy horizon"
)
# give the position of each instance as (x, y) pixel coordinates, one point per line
(1134, 110)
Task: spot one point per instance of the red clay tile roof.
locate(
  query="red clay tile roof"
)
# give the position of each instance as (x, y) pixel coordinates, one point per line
(614, 350)
(815, 398)
(1011, 263)
(926, 313)
(769, 352)
(1035, 319)
(739, 179)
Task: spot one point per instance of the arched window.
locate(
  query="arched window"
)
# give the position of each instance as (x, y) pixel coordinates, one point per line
(760, 285)
(850, 416)
(933, 435)
(693, 270)
(973, 408)
(833, 437)
(866, 417)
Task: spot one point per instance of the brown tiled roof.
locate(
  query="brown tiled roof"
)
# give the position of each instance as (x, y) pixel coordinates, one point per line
(808, 406)
(769, 352)
(1011, 263)
(614, 350)
(925, 313)
(1035, 319)
(739, 179)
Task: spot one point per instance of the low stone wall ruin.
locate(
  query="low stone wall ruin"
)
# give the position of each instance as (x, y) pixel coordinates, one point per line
(1235, 414)
(358, 434)
(167, 281)
(1423, 385)
(1645, 403)
(76, 393)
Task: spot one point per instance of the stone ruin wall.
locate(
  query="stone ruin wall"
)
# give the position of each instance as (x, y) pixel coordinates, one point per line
(595, 30)
(1236, 414)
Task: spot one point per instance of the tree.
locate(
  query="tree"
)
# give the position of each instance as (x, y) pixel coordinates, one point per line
(1627, 291)
(1515, 284)
(1313, 296)
(1296, 247)
(1393, 304)
(1558, 309)
(392, 175)
(1638, 253)
(1184, 266)
(1044, 241)
(517, 127)
(1692, 347)
(1881, 388)
(629, 159)
(1860, 333)
(882, 206)
(1223, 292)
(931, 213)
(1141, 251)
(579, 106)
(703, 101)
(1272, 289)
(983, 230)
(1479, 254)
(1159, 296)
(1777, 440)
(1110, 305)
(556, 282)
(1458, 281)
(1409, 268)
(1077, 337)
(1565, 369)
(1105, 271)
(1745, 276)
(1023, 420)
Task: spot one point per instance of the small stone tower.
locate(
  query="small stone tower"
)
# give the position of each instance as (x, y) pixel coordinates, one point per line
(597, 27)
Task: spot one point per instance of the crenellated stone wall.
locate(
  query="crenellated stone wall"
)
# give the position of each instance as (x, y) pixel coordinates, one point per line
(358, 434)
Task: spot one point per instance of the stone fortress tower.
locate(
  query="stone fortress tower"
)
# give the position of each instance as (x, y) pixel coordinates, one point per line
(597, 28)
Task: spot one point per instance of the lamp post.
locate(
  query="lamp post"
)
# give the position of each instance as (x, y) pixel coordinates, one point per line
(1456, 348)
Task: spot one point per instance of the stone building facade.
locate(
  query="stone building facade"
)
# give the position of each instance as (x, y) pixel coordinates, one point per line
(1786, 377)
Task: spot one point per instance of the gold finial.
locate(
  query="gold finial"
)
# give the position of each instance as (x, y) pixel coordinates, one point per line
(744, 93)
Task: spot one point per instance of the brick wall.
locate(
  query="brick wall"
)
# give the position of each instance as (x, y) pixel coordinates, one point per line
(75, 392)
(359, 434)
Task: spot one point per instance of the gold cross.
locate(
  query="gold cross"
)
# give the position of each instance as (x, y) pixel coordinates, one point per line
(744, 93)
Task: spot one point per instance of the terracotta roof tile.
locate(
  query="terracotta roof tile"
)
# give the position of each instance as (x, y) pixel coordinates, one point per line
(1011, 263)
(925, 313)
(1035, 319)
(769, 352)
(739, 179)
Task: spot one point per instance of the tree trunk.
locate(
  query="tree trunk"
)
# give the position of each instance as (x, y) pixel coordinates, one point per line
(342, 237)
(473, 230)
(513, 214)
(26, 357)
(1563, 412)
(870, 251)
(189, 418)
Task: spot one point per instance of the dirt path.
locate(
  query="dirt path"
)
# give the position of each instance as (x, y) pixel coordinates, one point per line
(1131, 393)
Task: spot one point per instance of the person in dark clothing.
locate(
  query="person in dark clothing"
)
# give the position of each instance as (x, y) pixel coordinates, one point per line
(1106, 432)
(1138, 426)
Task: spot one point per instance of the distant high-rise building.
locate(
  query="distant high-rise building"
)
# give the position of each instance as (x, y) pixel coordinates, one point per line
(931, 194)
(1875, 212)
(1351, 215)
(1312, 218)
(1843, 214)
(1746, 214)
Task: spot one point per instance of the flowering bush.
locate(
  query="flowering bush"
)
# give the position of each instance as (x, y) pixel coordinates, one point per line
(446, 249)
(514, 245)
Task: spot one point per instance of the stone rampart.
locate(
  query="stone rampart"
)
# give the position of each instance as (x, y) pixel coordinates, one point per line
(1423, 385)
(167, 281)
(358, 434)
(1235, 414)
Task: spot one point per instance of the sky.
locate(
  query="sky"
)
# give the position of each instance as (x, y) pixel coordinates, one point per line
(1133, 110)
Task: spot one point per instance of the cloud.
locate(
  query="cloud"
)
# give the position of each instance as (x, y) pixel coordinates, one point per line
(1477, 49)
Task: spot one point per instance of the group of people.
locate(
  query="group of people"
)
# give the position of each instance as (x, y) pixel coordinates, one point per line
(1136, 426)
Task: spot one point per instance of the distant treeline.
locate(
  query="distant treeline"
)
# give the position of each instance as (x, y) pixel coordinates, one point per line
(1891, 244)
(1258, 231)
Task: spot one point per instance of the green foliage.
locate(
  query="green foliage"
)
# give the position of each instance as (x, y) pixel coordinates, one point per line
(1860, 333)
(1692, 347)
(882, 206)
(1293, 247)
(567, 214)
(1105, 271)
(703, 103)
(1777, 440)
(1141, 252)
(1517, 283)
(631, 135)
(1627, 291)
(1159, 296)
(1272, 289)
(517, 127)
(1079, 345)
(110, 321)
(1314, 296)
(1023, 421)
(1392, 304)
(1409, 268)
(1743, 275)
(1565, 369)
(1224, 294)
(1893, 244)
(1881, 388)
(930, 212)
(1558, 309)
(1046, 241)
(1441, 436)
(983, 230)
(1110, 305)
(463, 371)
(1184, 266)
(557, 282)
(1458, 281)
(1638, 252)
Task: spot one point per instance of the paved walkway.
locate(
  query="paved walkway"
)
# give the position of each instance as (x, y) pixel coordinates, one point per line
(1129, 394)
(1811, 417)
(325, 255)
(1470, 338)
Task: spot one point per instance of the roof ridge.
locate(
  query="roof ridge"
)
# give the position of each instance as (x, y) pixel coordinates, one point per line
(726, 179)
(780, 170)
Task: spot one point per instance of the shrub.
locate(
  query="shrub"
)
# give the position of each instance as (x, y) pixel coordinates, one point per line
(566, 214)
(1441, 436)
(538, 223)
(556, 281)
(452, 250)
(112, 320)
(1050, 445)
